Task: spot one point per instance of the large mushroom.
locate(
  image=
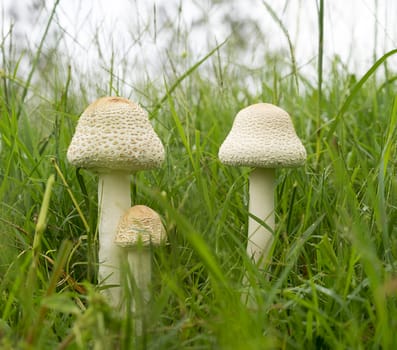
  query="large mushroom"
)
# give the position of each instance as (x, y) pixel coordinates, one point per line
(113, 139)
(263, 138)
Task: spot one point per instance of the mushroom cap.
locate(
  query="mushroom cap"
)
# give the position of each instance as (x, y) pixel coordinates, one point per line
(115, 133)
(262, 136)
(140, 225)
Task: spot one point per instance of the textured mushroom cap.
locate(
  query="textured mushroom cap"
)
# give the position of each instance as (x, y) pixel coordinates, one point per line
(115, 133)
(262, 136)
(140, 224)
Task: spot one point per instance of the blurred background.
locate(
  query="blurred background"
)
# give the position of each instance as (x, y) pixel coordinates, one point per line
(149, 40)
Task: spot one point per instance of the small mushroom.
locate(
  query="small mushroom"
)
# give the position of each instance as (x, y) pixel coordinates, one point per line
(263, 138)
(113, 139)
(139, 228)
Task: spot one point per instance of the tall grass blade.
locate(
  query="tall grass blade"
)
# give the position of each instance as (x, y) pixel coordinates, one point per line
(292, 258)
(72, 197)
(382, 178)
(355, 90)
(320, 73)
(189, 71)
(36, 58)
(278, 20)
(42, 218)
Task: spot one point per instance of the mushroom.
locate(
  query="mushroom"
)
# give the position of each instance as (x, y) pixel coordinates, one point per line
(139, 228)
(262, 137)
(113, 139)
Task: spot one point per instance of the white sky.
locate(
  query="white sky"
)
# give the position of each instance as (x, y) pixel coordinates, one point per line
(349, 27)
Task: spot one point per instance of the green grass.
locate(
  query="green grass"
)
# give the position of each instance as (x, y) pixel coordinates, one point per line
(331, 281)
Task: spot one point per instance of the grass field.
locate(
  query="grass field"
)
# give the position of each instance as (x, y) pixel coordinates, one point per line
(331, 280)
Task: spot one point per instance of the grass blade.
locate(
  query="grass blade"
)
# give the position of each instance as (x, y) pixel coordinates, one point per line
(171, 89)
(291, 47)
(36, 58)
(356, 89)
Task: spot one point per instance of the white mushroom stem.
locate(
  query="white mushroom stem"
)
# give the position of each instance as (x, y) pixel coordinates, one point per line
(140, 261)
(113, 200)
(139, 274)
(261, 205)
(140, 266)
